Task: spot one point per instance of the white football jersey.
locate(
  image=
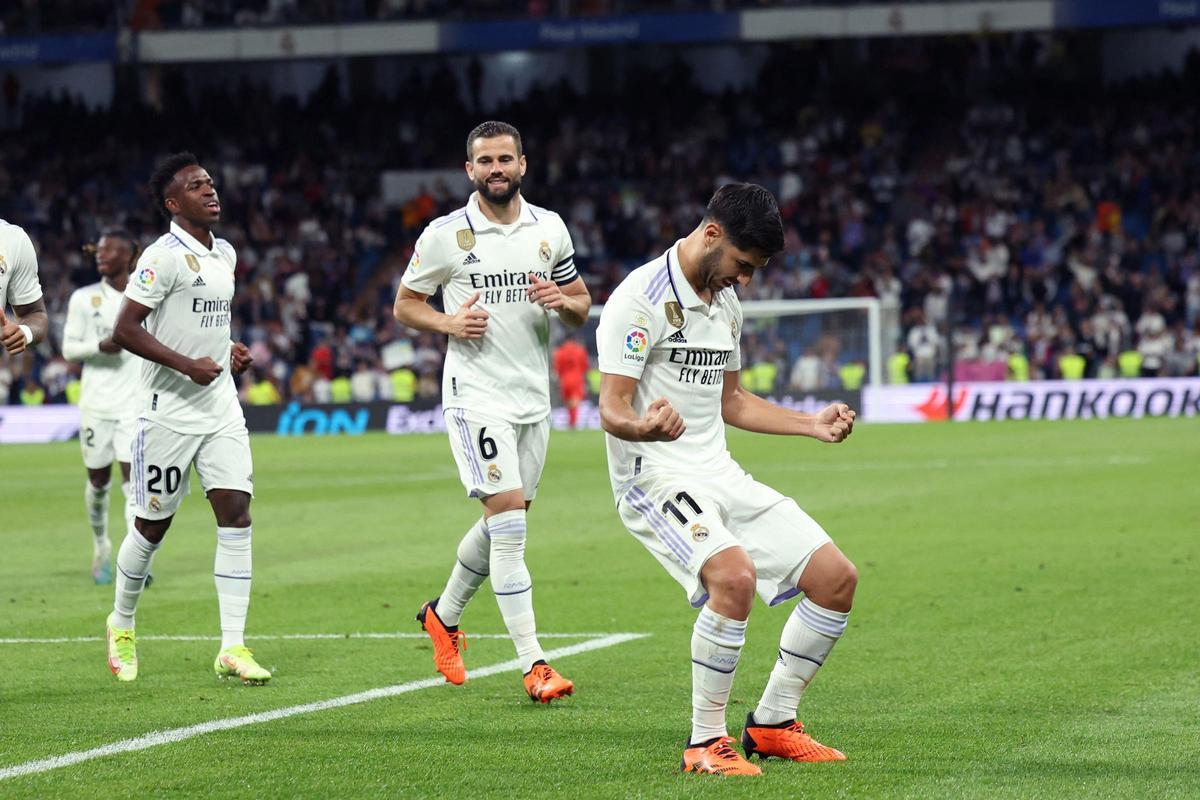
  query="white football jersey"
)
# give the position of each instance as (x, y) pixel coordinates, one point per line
(655, 328)
(109, 379)
(190, 289)
(18, 268)
(506, 373)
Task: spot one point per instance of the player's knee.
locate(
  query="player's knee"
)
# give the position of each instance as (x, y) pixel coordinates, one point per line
(837, 590)
(236, 518)
(735, 582)
(846, 582)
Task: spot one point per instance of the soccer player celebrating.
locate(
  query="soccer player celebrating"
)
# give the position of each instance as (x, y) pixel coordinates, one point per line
(182, 289)
(503, 265)
(19, 287)
(108, 409)
(669, 358)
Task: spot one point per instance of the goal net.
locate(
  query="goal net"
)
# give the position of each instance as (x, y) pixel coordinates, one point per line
(794, 347)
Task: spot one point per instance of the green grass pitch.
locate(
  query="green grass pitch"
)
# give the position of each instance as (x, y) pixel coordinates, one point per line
(1026, 625)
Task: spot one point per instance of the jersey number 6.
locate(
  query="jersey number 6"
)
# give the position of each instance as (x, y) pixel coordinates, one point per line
(487, 446)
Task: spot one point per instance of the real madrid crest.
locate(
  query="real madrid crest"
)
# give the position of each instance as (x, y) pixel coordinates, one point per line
(3, 266)
(544, 252)
(466, 238)
(494, 473)
(192, 262)
(699, 532)
(733, 330)
(674, 313)
(96, 300)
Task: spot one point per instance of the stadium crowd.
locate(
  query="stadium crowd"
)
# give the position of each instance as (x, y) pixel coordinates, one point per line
(976, 188)
(53, 16)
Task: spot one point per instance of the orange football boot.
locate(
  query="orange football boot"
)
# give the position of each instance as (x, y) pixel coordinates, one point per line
(447, 644)
(543, 684)
(785, 740)
(716, 757)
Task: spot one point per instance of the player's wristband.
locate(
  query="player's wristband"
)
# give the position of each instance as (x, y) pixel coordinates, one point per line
(25, 329)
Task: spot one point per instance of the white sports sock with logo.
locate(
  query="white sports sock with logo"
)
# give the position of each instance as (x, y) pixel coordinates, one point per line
(133, 562)
(512, 584)
(231, 573)
(716, 648)
(470, 571)
(96, 500)
(809, 634)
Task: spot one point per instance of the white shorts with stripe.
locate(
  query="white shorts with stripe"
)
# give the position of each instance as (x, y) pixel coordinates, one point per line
(684, 521)
(494, 455)
(104, 441)
(162, 461)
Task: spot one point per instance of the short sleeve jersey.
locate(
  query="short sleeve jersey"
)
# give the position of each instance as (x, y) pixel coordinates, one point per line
(18, 267)
(656, 328)
(505, 373)
(108, 378)
(189, 288)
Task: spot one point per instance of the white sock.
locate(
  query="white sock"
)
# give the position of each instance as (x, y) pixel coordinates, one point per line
(130, 505)
(469, 573)
(133, 562)
(231, 573)
(512, 584)
(809, 634)
(716, 647)
(96, 501)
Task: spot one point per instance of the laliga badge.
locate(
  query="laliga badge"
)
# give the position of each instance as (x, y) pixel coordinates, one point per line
(192, 263)
(674, 313)
(466, 238)
(96, 301)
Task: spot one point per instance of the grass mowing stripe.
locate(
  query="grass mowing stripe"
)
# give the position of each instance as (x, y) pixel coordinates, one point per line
(191, 731)
(294, 636)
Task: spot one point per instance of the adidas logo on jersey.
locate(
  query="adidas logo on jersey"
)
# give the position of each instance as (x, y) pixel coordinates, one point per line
(470, 259)
(677, 338)
(199, 281)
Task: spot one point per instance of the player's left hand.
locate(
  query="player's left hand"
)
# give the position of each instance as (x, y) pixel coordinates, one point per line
(546, 293)
(833, 423)
(239, 358)
(11, 336)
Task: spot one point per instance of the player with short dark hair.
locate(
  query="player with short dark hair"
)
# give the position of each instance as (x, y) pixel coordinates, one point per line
(503, 265)
(182, 290)
(670, 363)
(108, 409)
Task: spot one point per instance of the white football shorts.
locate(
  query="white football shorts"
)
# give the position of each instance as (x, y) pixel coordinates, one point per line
(494, 455)
(104, 441)
(684, 521)
(162, 461)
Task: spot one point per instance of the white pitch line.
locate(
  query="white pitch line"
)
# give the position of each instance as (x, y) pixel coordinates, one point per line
(291, 636)
(156, 738)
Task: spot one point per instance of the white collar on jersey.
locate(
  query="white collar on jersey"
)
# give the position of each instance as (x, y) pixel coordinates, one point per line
(190, 241)
(478, 222)
(684, 292)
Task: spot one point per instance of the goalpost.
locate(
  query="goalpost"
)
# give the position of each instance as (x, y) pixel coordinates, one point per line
(833, 330)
